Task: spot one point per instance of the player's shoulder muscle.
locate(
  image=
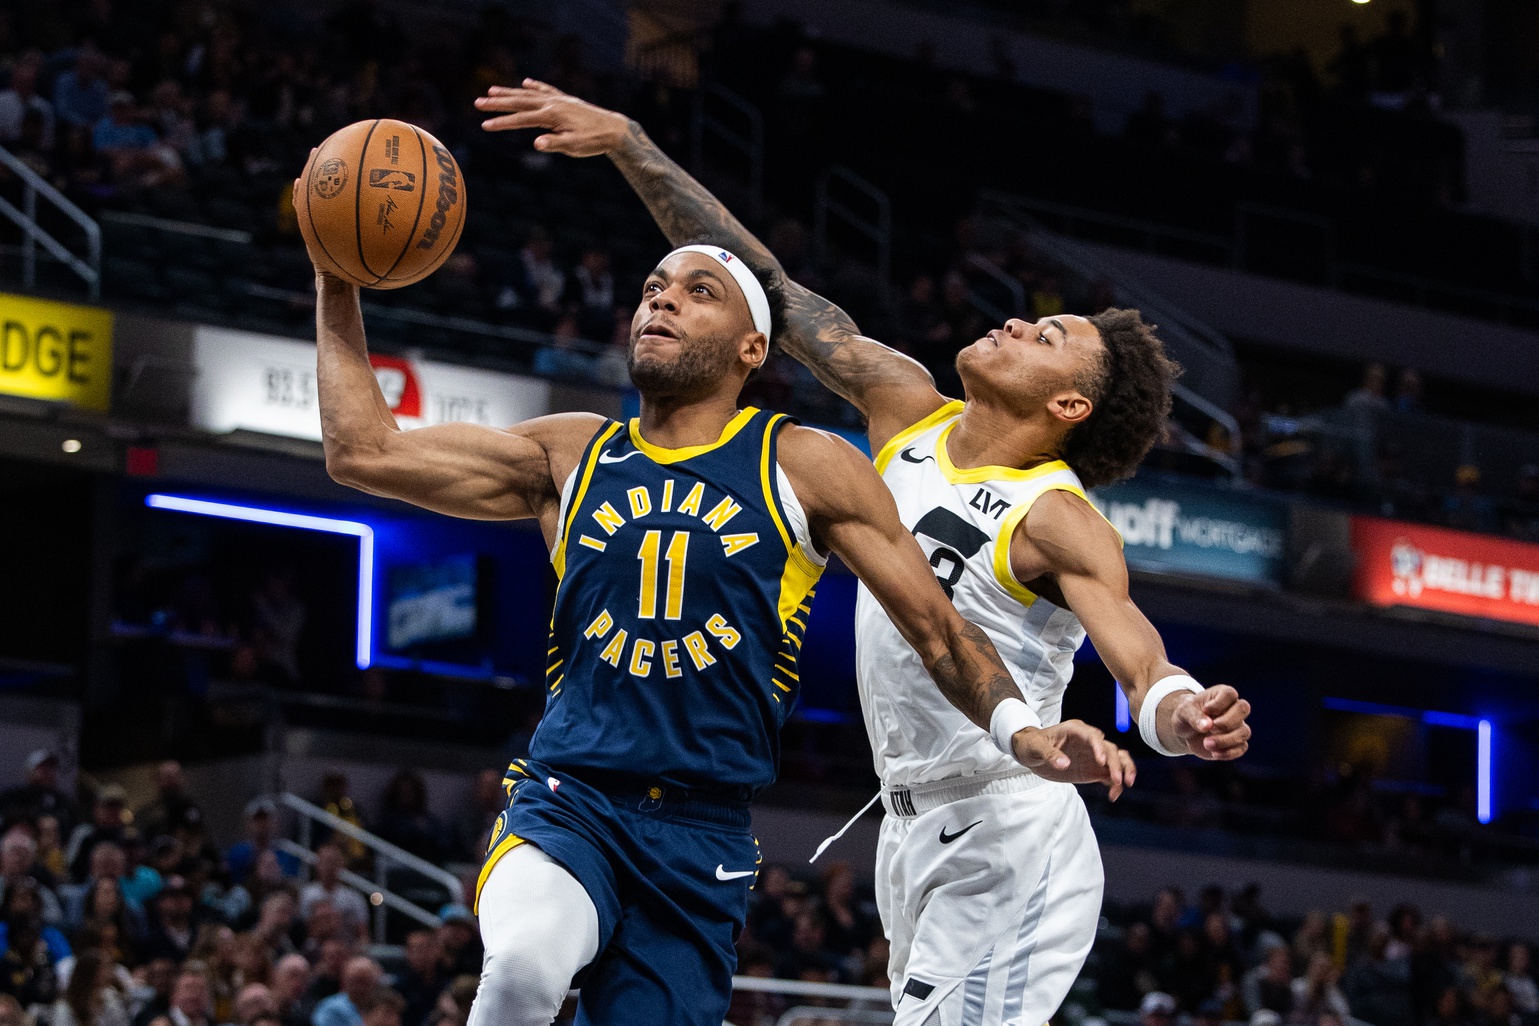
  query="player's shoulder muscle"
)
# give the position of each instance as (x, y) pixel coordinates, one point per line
(831, 477)
(1064, 533)
(562, 436)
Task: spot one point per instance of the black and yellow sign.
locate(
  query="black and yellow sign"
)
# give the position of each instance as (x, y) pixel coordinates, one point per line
(55, 351)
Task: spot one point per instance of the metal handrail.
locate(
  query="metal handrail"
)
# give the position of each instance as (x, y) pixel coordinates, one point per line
(314, 813)
(380, 898)
(167, 224)
(34, 184)
(750, 144)
(1017, 291)
(878, 230)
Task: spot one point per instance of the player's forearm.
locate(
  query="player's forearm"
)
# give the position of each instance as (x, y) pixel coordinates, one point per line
(683, 208)
(355, 419)
(969, 672)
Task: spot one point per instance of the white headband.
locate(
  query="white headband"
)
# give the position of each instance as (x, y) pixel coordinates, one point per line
(758, 302)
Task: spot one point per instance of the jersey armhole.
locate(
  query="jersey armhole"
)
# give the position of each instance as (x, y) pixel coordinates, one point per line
(1003, 575)
(796, 520)
(578, 483)
(908, 434)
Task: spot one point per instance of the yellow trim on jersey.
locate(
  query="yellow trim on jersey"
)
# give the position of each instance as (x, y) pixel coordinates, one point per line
(801, 574)
(661, 455)
(1002, 572)
(504, 846)
(913, 431)
(983, 475)
(559, 559)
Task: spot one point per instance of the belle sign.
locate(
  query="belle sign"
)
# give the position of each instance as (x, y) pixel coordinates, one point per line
(1402, 564)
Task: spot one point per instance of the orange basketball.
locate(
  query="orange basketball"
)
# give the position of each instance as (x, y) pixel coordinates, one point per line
(382, 203)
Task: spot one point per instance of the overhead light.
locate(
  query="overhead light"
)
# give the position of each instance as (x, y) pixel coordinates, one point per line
(1359, 1)
(71, 445)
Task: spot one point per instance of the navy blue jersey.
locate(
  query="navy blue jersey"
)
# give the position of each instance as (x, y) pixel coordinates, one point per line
(679, 616)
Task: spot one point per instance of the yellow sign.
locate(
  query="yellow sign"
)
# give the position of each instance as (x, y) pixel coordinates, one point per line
(55, 351)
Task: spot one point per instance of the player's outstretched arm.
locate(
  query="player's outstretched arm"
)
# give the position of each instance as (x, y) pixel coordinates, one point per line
(891, 390)
(1062, 535)
(464, 470)
(853, 514)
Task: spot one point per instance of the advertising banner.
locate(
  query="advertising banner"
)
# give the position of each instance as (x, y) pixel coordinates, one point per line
(56, 351)
(262, 383)
(1401, 564)
(1173, 528)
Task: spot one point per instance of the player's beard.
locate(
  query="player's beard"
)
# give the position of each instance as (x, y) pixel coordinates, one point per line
(698, 366)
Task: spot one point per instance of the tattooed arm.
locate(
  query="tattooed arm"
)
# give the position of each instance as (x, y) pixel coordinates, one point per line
(890, 390)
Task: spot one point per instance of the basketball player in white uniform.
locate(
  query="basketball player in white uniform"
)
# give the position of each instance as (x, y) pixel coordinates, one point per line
(988, 876)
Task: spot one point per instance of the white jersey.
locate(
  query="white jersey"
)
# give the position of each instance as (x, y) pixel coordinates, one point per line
(963, 519)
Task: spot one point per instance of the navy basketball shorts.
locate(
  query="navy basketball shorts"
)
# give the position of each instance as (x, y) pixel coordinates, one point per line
(670, 876)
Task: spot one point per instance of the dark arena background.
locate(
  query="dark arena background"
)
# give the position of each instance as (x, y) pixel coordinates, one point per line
(214, 660)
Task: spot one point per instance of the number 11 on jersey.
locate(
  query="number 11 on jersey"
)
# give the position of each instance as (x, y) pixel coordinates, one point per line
(677, 555)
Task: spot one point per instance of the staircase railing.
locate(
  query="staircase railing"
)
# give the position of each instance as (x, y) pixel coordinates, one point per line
(875, 224)
(713, 105)
(386, 855)
(33, 185)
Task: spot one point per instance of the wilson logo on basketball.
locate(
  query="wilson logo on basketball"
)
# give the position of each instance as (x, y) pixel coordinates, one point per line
(390, 178)
(448, 195)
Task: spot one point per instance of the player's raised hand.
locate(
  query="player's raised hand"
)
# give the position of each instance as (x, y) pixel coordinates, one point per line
(1073, 752)
(1211, 724)
(572, 126)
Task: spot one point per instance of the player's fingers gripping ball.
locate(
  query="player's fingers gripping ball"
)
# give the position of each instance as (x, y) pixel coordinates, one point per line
(380, 204)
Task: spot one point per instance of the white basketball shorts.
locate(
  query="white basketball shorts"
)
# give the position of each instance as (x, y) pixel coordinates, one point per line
(990, 902)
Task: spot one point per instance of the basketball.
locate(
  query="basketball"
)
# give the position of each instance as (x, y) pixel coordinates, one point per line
(381, 203)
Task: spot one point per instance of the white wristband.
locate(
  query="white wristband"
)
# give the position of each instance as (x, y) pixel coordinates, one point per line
(1148, 713)
(1010, 716)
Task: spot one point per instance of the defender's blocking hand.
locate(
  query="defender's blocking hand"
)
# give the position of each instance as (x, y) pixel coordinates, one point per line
(574, 127)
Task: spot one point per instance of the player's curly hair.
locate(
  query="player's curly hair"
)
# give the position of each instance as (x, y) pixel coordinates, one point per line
(1130, 389)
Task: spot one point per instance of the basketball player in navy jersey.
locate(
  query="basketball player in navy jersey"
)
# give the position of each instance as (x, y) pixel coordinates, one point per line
(687, 544)
(988, 875)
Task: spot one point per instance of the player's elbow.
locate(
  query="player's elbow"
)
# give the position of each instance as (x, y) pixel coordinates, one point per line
(354, 465)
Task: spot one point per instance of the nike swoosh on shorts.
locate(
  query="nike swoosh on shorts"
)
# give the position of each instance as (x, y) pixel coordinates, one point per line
(722, 874)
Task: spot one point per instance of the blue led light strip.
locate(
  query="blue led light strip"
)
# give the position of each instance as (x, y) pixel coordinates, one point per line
(1485, 759)
(304, 522)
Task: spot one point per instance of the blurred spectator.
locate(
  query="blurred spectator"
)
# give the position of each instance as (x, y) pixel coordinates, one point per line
(1157, 1009)
(1316, 992)
(22, 926)
(80, 95)
(191, 1004)
(39, 796)
(848, 927)
(1129, 971)
(460, 939)
(1270, 984)
(1408, 389)
(1369, 396)
(134, 154)
(327, 885)
(279, 622)
(381, 1007)
(288, 982)
(537, 283)
(564, 358)
(613, 365)
(22, 99)
(1467, 509)
(453, 1008)
(275, 922)
(254, 1002)
(423, 979)
(108, 819)
(593, 289)
(485, 803)
(360, 978)
(174, 922)
(404, 819)
(1379, 988)
(26, 963)
(261, 824)
(92, 997)
(335, 800)
(18, 862)
(172, 802)
(154, 996)
(1518, 977)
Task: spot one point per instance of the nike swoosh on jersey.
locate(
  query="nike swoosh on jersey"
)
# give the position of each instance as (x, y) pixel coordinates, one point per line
(722, 874)
(604, 457)
(905, 457)
(948, 838)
